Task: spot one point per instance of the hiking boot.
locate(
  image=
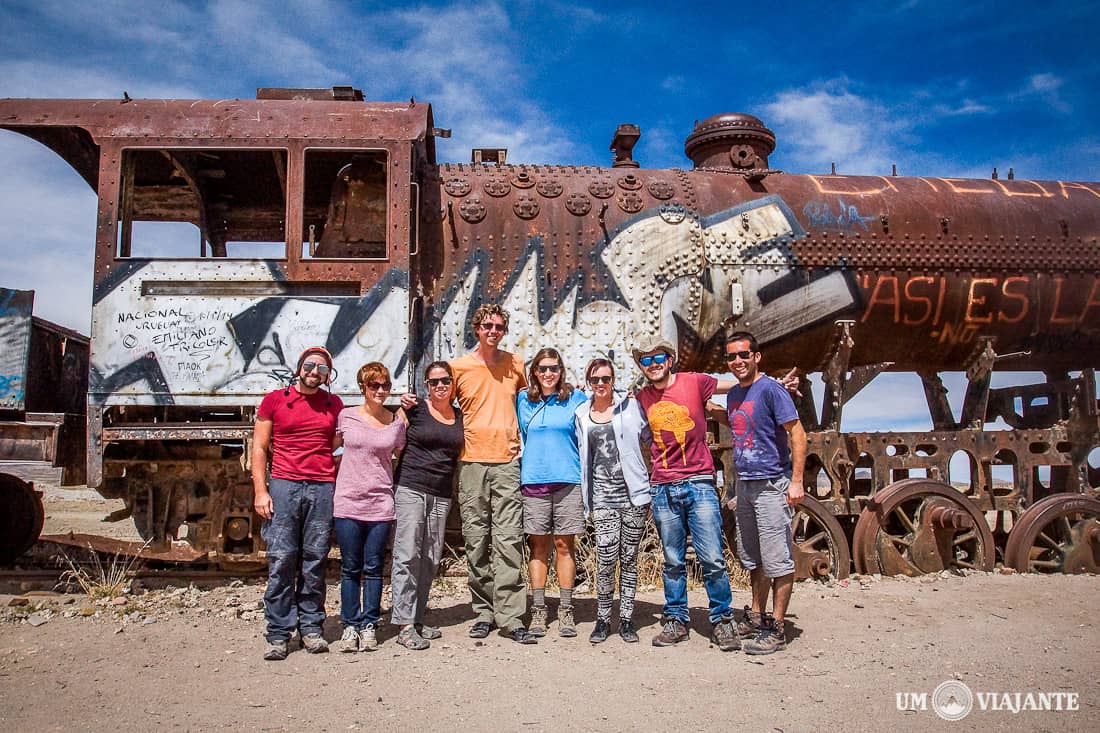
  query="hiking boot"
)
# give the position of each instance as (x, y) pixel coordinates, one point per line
(368, 638)
(567, 627)
(349, 641)
(314, 643)
(724, 636)
(410, 639)
(772, 638)
(627, 631)
(601, 632)
(539, 619)
(672, 632)
(276, 650)
(427, 632)
(750, 623)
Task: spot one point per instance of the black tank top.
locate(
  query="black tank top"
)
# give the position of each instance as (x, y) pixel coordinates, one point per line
(431, 453)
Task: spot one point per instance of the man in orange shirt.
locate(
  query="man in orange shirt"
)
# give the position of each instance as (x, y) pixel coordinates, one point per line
(486, 382)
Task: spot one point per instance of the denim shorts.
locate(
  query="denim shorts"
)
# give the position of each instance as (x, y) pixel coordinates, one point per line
(764, 526)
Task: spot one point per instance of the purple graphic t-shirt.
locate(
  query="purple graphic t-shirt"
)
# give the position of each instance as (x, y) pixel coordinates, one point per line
(757, 414)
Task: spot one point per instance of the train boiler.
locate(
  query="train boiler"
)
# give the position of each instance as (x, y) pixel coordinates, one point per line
(233, 233)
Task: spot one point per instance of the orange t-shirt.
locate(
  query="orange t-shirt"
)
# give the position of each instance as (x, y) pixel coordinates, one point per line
(487, 398)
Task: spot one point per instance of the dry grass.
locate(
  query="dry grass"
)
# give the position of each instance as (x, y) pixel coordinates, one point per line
(102, 579)
(650, 564)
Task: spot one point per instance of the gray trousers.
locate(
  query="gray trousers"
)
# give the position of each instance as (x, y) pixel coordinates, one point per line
(417, 548)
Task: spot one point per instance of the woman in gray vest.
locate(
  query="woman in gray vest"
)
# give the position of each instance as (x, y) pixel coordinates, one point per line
(615, 491)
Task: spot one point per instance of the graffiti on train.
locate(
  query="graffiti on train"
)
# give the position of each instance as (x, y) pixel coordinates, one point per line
(650, 276)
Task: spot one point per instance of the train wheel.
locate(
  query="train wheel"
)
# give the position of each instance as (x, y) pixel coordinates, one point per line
(820, 548)
(918, 526)
(21, 517)
(1060, 534)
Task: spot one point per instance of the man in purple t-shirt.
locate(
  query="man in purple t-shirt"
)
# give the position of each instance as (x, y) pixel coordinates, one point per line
(683, 487)
(769, 450)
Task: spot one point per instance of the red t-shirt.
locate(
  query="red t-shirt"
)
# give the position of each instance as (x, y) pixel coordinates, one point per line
(301, 438)
(676, 416)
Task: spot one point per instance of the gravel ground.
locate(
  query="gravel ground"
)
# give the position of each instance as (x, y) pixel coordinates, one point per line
(190, 658)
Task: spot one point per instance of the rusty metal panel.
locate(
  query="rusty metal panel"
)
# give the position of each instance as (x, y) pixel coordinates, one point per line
(15, 341)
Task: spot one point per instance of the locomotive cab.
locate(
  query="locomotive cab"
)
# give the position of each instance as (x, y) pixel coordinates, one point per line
(231, 235)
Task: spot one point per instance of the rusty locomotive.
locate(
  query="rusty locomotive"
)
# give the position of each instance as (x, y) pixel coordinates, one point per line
(232, 233)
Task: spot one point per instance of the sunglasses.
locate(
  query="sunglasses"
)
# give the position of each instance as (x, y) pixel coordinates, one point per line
(496, 327)
(436, 381)
(544, 368)
(646, 361)
(744, 355)
(601, 380)
(375, 386)
(309, 366)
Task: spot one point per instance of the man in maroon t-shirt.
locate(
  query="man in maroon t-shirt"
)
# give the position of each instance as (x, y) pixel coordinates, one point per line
(683, 485)
(296, 427)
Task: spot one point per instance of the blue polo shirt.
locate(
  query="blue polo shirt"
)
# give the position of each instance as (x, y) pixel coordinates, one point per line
(550, 453)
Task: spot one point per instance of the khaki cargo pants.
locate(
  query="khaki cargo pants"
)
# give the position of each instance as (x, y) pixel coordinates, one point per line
(492, 525)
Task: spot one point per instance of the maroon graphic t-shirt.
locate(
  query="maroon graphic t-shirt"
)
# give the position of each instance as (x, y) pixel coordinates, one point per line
(676, 416)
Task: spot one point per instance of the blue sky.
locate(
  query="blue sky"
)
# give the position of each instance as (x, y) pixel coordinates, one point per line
(939, 88)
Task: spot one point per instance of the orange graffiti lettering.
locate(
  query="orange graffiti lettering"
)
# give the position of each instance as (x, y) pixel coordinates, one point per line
(883, 283)
(915, 298)
(1021, 297)
(1081, 186)
(973, 299)
(1055, 317)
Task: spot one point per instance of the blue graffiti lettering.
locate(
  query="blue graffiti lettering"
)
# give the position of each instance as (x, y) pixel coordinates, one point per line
(821, 215)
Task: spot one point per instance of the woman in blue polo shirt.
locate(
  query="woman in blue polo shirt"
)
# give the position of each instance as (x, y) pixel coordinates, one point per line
(550, 476)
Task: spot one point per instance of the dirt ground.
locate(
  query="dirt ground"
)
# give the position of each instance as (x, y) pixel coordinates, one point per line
(190, 658)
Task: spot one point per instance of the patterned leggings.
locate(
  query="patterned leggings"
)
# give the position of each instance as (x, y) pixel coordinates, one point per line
(618, 532)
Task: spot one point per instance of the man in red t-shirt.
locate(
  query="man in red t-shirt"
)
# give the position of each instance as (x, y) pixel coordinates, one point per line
(683, 484)
(296, 427)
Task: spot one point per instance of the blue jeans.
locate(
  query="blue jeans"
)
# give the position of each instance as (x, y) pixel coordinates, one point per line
(680, 507)
(362, 552)
(297, 538)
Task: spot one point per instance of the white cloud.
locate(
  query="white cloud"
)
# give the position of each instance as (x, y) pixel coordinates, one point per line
(828, 124)
(255, 38)
(21, 78)
(1047, 87)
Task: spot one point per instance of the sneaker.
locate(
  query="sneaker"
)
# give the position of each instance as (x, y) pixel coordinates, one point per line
(672, 632)
(539, 619)
(410, 639)
(750, 624)
(349, 641)
(772, 638)
(428, 632)
(276, 651)
(314, 643)
(724, 636)
(567, 627)
(627, 631)
(368, 638)
(601, 632)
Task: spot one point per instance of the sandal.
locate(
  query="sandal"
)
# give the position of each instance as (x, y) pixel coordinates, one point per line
(409, 639)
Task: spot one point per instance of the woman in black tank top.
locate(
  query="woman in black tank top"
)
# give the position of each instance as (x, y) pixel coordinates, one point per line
(424, 483)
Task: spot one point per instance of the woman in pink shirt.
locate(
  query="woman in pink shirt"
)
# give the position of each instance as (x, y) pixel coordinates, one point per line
(363, 507)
